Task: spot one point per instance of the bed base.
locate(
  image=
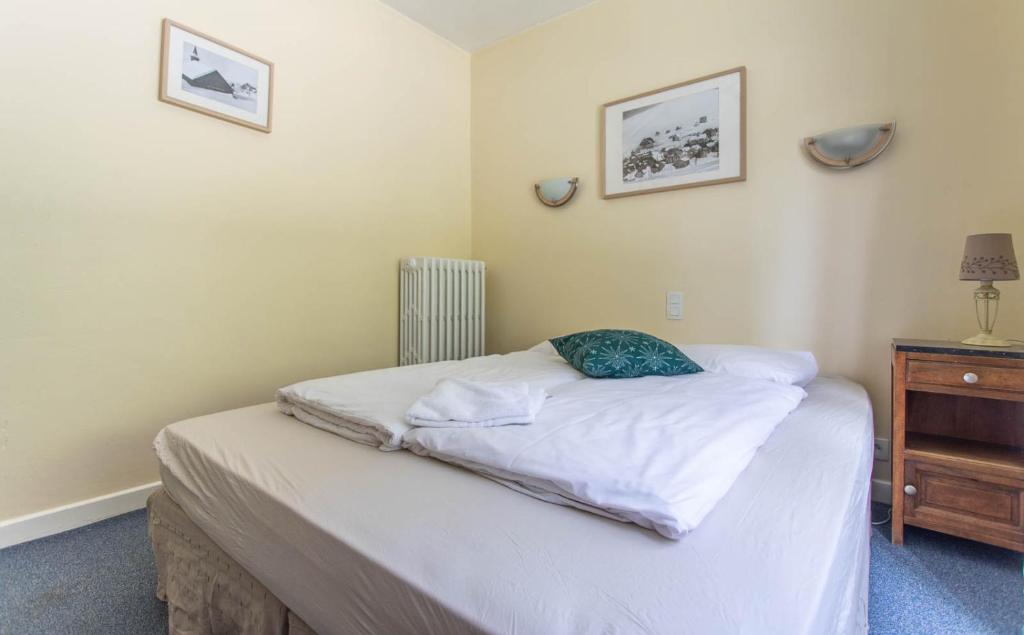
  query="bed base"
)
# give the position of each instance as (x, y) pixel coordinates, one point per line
(206, 591)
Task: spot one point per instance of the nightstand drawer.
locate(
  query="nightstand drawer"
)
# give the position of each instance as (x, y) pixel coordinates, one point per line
(965, 375)
(963, 502)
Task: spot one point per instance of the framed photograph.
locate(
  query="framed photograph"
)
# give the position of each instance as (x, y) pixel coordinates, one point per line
(684, 135)
(212, 77)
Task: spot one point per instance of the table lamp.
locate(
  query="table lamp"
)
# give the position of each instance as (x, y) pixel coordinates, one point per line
(988, 257)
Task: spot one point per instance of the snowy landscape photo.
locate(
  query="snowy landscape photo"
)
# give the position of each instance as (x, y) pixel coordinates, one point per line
(215, 77)
(209, 76)
(683, 135)
(675, 137)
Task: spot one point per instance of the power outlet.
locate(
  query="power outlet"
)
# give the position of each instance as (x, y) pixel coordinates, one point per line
(882, 450)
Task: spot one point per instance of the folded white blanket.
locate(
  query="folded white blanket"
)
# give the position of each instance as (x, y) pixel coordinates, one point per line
(462, 403)
(369, 407)
(657, 451)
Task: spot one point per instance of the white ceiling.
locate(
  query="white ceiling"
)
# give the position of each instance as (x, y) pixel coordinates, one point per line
(474, 24)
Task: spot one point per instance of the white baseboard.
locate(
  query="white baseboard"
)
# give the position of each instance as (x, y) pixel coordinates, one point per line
(881, 491)
(53, 521)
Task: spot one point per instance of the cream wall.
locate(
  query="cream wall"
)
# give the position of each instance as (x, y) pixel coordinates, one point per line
(158, 264)
(796, 256)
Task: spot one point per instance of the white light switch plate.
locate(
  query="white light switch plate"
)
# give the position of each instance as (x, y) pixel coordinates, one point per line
(674, 305)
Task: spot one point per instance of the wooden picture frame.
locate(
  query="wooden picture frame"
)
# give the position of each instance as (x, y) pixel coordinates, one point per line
(685, 135)
(214, 78)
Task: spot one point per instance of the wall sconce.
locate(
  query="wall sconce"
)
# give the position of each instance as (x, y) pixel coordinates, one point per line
(850, 147)
(556, 192)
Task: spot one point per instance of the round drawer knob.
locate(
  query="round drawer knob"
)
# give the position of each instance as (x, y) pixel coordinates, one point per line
(970, 378)
(910, 490)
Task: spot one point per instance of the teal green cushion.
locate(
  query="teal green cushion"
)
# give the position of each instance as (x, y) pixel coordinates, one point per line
(620, 354)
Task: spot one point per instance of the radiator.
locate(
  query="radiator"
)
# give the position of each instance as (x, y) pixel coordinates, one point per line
(442, 310)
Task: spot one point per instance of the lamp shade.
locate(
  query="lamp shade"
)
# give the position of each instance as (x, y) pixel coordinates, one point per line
(556, 192)
(850, 147)
(989, 257)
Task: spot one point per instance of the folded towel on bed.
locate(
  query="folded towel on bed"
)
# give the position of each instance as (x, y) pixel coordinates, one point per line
(369, 407)
(463, 403)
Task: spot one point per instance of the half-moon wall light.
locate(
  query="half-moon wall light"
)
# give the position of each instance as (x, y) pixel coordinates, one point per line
(556, 192)
(850, 147)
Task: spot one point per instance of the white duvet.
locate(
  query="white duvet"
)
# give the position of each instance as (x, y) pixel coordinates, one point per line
(656, 451)
(370, 407)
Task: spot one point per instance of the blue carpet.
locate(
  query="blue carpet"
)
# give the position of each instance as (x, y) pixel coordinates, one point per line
(96, 580)
(100, 580)
(937, 584)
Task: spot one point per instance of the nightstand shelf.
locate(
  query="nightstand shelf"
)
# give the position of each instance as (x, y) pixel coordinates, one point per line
(958, 441)
(923, 446)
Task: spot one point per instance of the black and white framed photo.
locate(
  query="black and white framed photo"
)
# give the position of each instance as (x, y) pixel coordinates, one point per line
(684, 135)
(212, 77)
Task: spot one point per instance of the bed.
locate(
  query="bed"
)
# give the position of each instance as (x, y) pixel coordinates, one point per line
(342, 538)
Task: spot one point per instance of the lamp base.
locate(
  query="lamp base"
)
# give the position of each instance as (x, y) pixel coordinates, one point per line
(984, 339)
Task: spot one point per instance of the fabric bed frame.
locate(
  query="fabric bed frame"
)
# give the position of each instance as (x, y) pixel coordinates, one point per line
(206, 591)
(264, 519)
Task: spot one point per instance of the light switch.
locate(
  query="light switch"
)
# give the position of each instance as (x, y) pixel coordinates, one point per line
(674, 305)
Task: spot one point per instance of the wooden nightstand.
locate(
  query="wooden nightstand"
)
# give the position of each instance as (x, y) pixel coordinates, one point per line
(958, 441)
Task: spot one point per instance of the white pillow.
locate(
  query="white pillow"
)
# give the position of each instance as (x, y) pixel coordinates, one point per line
(784, 367)
(545, 347)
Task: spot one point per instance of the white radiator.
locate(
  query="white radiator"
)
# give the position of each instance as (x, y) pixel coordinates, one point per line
(442, 310)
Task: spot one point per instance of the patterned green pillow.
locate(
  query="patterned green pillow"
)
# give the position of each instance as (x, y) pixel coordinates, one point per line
(620, 354)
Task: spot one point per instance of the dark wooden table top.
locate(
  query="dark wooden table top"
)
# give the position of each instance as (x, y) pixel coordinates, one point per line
(956, 348)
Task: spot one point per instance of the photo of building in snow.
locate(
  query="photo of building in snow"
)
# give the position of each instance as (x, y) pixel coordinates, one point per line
(216, 77)
(671, 138)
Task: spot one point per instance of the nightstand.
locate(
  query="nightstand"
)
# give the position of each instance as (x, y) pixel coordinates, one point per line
(958, 440)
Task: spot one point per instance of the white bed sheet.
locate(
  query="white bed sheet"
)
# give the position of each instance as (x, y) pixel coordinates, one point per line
(359, 541)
